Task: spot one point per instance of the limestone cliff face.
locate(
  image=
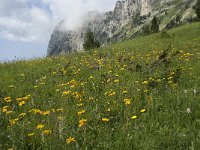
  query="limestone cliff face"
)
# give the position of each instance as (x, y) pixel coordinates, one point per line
(125, 21)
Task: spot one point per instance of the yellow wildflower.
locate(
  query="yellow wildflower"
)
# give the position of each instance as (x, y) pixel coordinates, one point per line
(105, 119)
(66, 92)
(5, 109)
(124, 92)
(46, 132)
(82, 122)
(81, 104)
(116, 81)
(127, 101)
(11, 86)
(91, 77)
(133, 117)
(21, 103)
(13, 121)
(145, 82)
(91, 98)
(46, 112)
(7, 99)
(31, 134)
(22, 75)
(9, 112)
(40, 126)
(60, 110)
(70, 140)
(81, 112)
(19, 99)
(143, 110)
(22, 115)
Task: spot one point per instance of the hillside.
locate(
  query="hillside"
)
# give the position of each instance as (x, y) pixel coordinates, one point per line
(136, 94)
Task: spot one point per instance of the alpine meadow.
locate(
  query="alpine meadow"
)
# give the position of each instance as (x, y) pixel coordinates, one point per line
(137, 93)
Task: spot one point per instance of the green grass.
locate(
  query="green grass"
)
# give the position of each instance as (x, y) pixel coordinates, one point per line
(145, 102)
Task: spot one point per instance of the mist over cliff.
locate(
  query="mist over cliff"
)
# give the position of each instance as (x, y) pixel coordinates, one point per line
(125, 21)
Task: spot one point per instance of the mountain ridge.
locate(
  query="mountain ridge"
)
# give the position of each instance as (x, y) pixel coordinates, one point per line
(126, 21)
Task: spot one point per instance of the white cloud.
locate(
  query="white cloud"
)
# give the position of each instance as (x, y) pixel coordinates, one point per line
(34, 20)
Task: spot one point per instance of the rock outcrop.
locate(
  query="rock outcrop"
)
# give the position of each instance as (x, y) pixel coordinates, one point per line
(125, 21)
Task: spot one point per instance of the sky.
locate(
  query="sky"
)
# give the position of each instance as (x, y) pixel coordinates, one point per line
(26, 25)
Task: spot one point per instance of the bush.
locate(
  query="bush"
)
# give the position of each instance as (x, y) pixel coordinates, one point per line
(155, 25)
(90, 42)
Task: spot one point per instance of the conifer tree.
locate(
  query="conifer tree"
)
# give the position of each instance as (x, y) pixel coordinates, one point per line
(154, 25)
(197, 8)
(90, 42)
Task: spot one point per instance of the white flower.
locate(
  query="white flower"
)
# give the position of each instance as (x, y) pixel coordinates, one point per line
(188, 110)
(195, 91)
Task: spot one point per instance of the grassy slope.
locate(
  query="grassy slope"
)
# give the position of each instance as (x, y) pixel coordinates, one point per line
(115, 83)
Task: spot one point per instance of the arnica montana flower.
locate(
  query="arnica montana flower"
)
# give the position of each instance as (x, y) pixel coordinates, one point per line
(143, 110)
(7, 99)
(70, 140)
(40, 126)
(81, 112)
(31, 134)
(82, 122)
(46, 132)
(127, 101)
(145, 82)
(66, 92)
(133, 117)
(105, 119)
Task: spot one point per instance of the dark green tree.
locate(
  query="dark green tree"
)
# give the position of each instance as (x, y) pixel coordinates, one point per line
(197, 8)
(90, 42)
(154, 25)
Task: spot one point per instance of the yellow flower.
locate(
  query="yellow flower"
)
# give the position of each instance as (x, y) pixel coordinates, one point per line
(116, 81)
(9, 112)
(81, 104)
(145, 82)
(19, 99)
(60, 110)
(143, 110)
(7, 99)
(91, 98)
(13, 121)
(133, 117)
(124, 92)
(82, 122)
(127, 101)
(105, 119)
(5, 109)
(70, 140)
(47, 132)
(11, 86)
(22, 75)
(21, 103)
(81, 112)
(22, 115)
(40, 126)
(46, 112)
(31, 134)
(91, 77)
(66, 92)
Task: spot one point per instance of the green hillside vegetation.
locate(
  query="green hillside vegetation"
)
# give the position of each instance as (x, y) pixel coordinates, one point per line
(136, 94)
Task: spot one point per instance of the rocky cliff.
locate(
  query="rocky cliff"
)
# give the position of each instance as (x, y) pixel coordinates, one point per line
(126, 21)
